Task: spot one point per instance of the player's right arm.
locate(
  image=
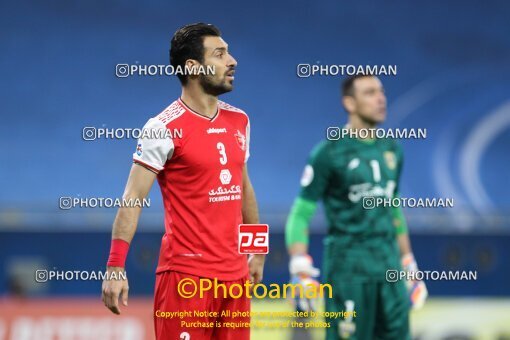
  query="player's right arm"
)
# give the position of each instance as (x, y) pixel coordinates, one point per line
(150, 158)
(137, 188)
(296, 228)
(314, 183)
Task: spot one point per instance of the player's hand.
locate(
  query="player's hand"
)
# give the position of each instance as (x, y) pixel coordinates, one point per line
(113, 290)
(303, 264)
(416, 288)
(302, 272)
(256, 267)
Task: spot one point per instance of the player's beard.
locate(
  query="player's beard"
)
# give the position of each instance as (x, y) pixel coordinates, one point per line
(213, 88)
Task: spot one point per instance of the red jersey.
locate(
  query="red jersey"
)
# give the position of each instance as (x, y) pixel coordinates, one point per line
(199, 163)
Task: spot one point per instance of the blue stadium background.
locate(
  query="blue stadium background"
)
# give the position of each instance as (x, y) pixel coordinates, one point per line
(58, 75)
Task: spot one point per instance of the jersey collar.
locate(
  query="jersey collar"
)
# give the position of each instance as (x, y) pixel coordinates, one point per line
(199, 114)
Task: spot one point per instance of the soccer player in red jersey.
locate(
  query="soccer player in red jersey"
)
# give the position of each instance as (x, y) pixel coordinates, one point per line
(200, 165)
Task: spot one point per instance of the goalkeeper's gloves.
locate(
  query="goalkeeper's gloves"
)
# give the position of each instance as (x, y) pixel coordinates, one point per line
(302, 272)
(416, 288)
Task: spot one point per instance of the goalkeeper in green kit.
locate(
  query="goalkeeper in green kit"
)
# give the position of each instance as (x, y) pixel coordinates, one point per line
(363, 242)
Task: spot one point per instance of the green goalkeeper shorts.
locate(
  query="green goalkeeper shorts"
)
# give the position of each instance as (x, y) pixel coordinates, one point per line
(381, 309)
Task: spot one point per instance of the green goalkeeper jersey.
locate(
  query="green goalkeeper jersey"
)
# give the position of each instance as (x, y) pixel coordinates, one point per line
(361, 239)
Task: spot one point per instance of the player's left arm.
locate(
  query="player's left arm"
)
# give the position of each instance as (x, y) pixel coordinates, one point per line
(251, 216)
(400, 224)
(399, 221)
(417, 290)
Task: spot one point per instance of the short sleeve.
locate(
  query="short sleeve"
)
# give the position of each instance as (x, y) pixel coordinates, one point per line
(247, 154)
(316, 174)
(153, 148)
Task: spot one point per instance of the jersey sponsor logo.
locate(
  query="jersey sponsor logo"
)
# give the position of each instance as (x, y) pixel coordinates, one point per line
(358, 191)
(216, 130)
(391, 159)
(241, 140)
(253, 239)
(225, 176)
(139, 149)
(307, 176)
(223, 194)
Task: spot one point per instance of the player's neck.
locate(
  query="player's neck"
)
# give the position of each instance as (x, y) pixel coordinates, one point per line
(199, 101)
(355, 123)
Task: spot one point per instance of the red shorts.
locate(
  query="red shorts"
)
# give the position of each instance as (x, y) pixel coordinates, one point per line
(190, 324)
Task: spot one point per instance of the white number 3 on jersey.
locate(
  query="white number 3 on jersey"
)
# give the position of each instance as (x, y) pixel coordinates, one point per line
(221, 149)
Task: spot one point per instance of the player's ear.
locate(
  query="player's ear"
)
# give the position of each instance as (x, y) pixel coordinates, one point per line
(348, 103)
(192, 66)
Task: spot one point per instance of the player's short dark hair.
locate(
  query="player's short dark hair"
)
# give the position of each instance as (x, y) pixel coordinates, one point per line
(188, 43)
(348, 84)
